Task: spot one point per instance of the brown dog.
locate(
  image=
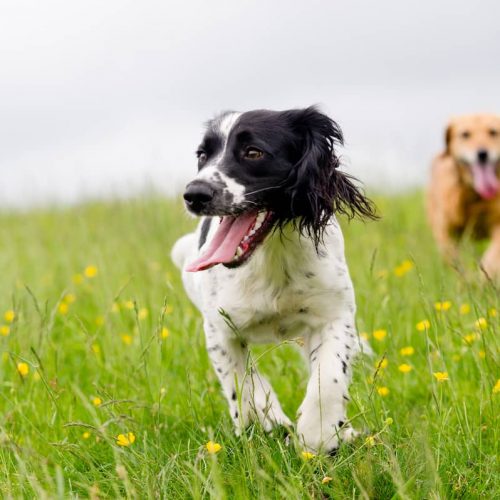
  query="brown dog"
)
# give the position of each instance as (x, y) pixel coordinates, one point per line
(464, 192)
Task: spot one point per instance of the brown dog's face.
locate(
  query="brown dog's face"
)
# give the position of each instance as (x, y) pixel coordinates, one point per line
(474, 142)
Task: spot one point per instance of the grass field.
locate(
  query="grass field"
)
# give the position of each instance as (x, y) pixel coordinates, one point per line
(99, 340)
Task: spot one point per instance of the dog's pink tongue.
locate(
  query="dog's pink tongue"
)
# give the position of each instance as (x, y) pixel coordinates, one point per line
(224, 243)
(486, 182)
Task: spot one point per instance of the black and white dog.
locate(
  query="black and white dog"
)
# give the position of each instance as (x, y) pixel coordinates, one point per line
(270, 254)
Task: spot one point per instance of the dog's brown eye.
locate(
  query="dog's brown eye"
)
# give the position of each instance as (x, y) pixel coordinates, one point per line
(202, 157)
(253, 154)
(493, 132)
(465, 134)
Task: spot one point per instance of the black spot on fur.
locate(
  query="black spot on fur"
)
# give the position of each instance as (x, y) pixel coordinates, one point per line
(335, 381)
(309, 274)
(344, 367)
(303, 310)
(236, 414)
(340, 423)
(233, 396)
(205, 227)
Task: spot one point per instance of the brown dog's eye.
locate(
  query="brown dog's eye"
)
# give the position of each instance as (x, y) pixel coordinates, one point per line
(493, 132)
(202, 157)
(465, 134)
(253, 154)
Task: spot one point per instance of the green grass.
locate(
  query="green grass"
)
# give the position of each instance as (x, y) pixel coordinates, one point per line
(443, 442)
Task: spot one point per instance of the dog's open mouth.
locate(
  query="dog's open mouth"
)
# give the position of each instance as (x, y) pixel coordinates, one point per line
(235, 240)
(485, 180)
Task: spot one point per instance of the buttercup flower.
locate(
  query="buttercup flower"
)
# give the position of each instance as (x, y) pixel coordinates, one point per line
(69, 298)
(213, 448)
(442, 306)
(370, 441)
(441, 376)
(128, 304)
(90, 271)
(127, 339)
(143, 313)
(382, 364)
(468, 339)
(115, 307)
(481, 323)
(97, 401)
(403, 268)
(383, 391)
(496, 388)
(4, 330)
(405, 368)
(9, 316)
(407, 351)
(96, 349)
(125, 439)
(492, 313)
(164, 333)
(379, 335)
(63, 308)
(482, 354)
(464, 309)
(307, 455)
(423, 325)
(23, 369)
(86, 435)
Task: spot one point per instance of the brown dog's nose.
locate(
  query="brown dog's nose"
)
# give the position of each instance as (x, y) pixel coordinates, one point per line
(482, 156)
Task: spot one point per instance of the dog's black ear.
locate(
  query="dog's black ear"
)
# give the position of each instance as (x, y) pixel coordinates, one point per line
(316, 187)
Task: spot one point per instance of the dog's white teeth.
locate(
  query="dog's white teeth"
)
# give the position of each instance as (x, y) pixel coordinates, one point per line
(260, 217)
(239, 252)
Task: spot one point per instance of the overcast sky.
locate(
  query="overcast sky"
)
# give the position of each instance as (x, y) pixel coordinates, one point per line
(107, 97)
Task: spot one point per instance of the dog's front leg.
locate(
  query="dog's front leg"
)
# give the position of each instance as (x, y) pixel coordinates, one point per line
(322, 414)
(250, 396)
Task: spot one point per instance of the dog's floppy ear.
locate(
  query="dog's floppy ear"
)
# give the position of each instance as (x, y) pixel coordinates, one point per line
(316, 186)
(447, 136)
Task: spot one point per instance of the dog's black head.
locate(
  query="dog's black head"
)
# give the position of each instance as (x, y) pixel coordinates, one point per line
(275, 167)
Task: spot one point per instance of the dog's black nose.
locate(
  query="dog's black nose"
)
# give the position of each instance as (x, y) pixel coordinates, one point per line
(482, 156)
(198, 195)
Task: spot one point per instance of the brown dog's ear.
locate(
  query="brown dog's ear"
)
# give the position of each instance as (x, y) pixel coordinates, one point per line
(447, 137)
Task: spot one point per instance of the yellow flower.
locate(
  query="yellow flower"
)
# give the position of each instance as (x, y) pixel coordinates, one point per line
(465, 309)
(442, 306)
(86, 435)
(403, 268)
(69, 298)
(77, 279)
(97, 401)
(379, 335)
(481, 324)
(496, 388)
(9, 316)
(407, 351)
(90, 271)
(63, 308)
(129, 304)
(405, 368)
(383, 391)
(441, 376)
(143, 313)
(388, 421)
(127, 339)
(468, 339)
(492, 313)
(164, 333)
(125, 439)
(4, 330)
(115, 307)
(307, 455)
(423, 325)
(482, 354)
(370, 441)
(96, 348)
(99, 321)
(382, 364)
(213, 448)
(23, 369)
(326, 480)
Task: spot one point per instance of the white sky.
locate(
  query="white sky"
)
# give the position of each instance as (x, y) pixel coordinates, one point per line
(107, 97)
